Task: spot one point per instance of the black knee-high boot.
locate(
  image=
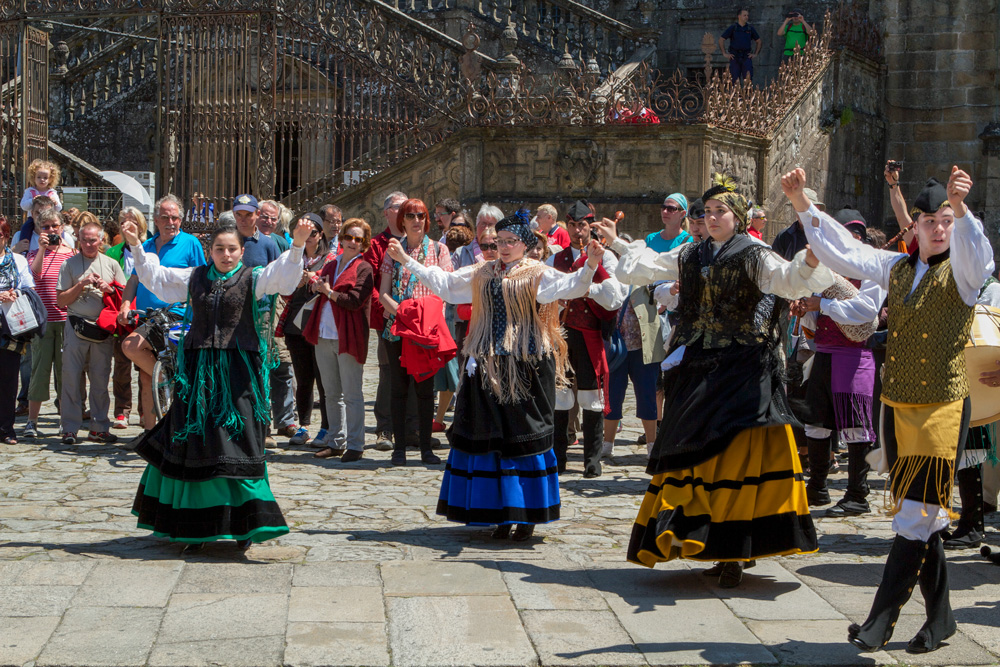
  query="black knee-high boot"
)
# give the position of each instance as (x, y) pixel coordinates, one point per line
(819, 469)
(968, 533)
(560, 440)
(855, 501)
(940, 622)
(902, 569)
(593, 440)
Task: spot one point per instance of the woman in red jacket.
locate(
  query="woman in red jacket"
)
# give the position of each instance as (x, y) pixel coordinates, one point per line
(338, 327)
(398, 285)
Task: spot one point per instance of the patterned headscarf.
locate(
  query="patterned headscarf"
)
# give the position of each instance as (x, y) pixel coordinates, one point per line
(519, 224)
(724, 190)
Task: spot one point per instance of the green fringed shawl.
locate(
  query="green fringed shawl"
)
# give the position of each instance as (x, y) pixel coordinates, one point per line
(208, 395)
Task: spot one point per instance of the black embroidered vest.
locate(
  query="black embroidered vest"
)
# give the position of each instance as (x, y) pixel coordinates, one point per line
(222, 312)
(720, 303)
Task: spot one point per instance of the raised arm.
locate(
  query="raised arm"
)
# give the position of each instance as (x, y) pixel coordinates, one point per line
(639, 265)
(832, 243)
(971, 252)
(898, 203)
(451, 286)
(280, 276)
(554, 284)
(166, 283)
(794, 279)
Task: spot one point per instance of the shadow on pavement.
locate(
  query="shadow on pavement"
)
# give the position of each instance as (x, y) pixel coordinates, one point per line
(727, 652)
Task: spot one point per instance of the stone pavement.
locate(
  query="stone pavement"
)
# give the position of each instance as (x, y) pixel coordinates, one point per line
(370, 576)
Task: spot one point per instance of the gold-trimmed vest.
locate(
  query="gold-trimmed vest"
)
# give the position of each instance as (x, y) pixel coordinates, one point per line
(928, 330)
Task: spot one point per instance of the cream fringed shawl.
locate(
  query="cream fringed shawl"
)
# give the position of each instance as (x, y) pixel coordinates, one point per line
(504, 375)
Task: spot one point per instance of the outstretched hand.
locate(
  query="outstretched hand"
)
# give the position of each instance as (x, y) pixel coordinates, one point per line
(959, 185)
(301, 233)
(130, 232)
(595, 254)
(395, 250)
(607, 228)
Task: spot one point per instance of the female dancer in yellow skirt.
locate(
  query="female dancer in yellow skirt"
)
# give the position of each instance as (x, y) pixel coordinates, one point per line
(727, 483)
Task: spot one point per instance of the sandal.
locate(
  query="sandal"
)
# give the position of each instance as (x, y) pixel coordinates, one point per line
(10, 440)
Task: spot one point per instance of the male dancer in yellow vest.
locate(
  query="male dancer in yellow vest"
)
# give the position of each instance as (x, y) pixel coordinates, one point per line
(925, 390)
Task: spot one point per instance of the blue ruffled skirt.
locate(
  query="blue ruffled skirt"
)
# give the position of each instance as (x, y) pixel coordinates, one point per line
(489, 489)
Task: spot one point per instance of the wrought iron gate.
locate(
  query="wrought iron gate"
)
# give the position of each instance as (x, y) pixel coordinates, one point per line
(24, 108)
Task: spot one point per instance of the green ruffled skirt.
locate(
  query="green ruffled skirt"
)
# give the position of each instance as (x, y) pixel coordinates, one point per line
(206, 511)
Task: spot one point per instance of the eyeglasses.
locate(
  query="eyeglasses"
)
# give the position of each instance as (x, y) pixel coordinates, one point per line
(668, 207)
(267, 218)
(488, 246)
(313, 234)
(414, 216)
(49, 228)
(508, 243)
(352, 237)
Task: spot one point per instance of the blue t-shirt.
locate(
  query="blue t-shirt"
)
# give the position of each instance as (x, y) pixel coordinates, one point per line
(741, 37)
(182, 252)
(659, 244)
(259, 250)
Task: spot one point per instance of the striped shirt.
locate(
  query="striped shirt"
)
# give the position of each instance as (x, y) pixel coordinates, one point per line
(45, 282)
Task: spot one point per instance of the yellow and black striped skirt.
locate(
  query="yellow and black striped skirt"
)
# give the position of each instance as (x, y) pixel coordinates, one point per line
(747, 502)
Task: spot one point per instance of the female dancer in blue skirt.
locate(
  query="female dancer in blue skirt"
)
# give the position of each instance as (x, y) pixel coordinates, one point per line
(502, 469)
(206, 479)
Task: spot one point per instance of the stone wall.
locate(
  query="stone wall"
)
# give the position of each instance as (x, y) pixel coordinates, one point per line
(941, 92)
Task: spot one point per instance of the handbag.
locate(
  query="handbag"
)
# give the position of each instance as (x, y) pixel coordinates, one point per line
(305, 311)
(88, 330)
(20, 316)
(614, 345)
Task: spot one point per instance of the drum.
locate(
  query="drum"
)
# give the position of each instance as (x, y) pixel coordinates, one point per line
(982, 353)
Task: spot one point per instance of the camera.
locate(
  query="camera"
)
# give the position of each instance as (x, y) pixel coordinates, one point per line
(792, 15)
(894, 165)
(54, 239)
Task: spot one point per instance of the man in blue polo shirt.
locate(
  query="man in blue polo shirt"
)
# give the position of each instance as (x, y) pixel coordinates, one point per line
(258, 249)
(175, 249)
(744, 45)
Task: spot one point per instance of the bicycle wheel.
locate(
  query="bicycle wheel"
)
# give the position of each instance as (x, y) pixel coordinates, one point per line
(162, 388)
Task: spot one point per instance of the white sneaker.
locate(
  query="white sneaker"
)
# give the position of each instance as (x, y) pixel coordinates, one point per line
(607, 450)
(649, 449)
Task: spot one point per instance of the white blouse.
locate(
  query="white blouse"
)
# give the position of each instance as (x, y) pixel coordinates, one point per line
(169, 284)
(640, 265)
(971, 253)
(456, 286)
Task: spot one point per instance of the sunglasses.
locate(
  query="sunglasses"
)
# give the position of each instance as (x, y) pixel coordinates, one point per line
(488, 246)
(352, 237)
(313, 234)
(672, 209)
(414, 216)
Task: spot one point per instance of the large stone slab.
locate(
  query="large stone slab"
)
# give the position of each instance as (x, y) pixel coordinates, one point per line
(37, 573)
(244, 652)
(580, 638)
(336, 644)
(551, 587)
(129, 584)
(457, 630)
(337, 574)
(211, 616)
(22, 638)
(344, 604)
(813, 643)
(35, 600)
(102, 636)
(688, 632)
(406, 578)
(239, 578)
(769, 592)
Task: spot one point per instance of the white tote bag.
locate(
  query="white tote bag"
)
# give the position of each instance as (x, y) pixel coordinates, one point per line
(20, 315)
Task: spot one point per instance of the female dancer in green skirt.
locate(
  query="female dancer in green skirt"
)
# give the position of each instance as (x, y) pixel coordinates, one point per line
(206, 479)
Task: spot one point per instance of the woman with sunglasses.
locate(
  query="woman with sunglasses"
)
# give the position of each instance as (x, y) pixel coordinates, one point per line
(488, 243)
(398, 284)
(673, 213)
(338, 327)
(303, 353)
(501, 468)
